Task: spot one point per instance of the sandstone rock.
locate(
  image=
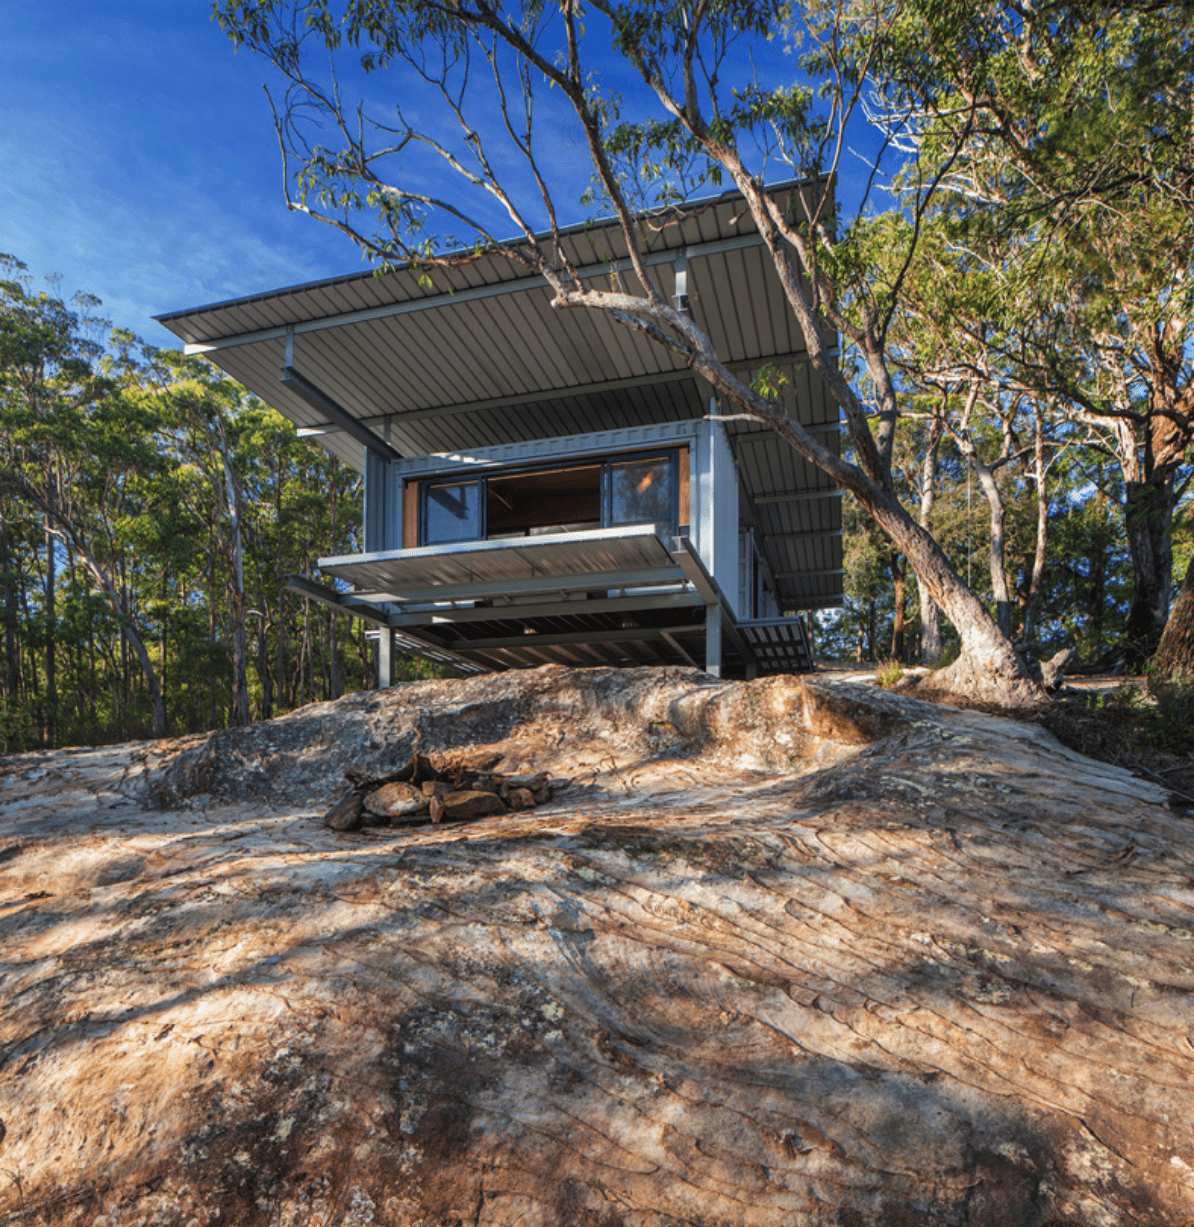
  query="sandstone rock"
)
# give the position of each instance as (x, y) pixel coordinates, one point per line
(851, 958)
(396, 800)
(435, 788)
(530, 782)
(520, 798)
(437, 809)
(345, 815)
(471, 803)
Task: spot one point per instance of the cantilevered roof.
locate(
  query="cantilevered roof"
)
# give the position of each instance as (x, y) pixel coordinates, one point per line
(480, 357)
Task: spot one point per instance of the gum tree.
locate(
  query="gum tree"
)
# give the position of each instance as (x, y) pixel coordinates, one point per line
(1066, 135)
(662, 100)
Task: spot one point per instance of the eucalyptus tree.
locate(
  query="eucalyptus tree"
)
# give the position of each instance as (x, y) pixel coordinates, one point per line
(1065, 132)
(197, 410)
(661, 99)
(77, 449)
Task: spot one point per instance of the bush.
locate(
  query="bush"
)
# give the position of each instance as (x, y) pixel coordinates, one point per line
(890, 672)
(1161, 716)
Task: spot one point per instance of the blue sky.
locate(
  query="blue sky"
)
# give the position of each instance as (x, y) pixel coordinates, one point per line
(139, 160)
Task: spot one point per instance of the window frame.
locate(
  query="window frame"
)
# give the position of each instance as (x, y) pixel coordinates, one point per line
(670, 452)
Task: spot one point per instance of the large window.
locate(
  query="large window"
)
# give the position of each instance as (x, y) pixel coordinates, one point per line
(640, 489)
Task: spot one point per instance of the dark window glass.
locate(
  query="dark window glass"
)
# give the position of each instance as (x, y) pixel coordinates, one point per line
(453, 513)
(641, 491)
(548, 501)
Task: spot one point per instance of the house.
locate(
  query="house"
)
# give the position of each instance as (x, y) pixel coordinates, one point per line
(546, 485)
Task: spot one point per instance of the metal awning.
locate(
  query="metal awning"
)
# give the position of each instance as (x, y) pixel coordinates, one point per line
(482, 358)
(631, 556)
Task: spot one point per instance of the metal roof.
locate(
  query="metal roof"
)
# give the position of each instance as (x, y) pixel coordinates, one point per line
(481, 358)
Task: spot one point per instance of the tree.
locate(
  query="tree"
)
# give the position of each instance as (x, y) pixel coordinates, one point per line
(1174, 659)
(198, 409)
(76, 449)
(372, 186)
(1066, 133)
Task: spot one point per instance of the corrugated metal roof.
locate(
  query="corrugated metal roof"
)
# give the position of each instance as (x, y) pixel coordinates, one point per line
(482, 358)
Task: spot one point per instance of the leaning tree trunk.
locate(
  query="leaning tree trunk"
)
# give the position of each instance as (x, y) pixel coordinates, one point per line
(1174, 659)
(988, 668)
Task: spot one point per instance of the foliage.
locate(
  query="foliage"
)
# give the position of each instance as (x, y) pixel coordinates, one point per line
(117, 530)
(889, 673)
(1160, 715)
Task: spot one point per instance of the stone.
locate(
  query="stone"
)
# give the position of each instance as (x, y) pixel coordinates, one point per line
(520, 798)
(437, 809)
(864, 960)
(396, 800)
(435, 788)
(530, 782)
(471, 803)
(345, 815)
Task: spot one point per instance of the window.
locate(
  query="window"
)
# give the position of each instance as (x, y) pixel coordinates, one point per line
(555, 499)
(641, 491)
(547, 501)
(452, 512)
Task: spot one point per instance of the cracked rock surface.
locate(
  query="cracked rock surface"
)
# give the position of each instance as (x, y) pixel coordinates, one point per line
(786, 952)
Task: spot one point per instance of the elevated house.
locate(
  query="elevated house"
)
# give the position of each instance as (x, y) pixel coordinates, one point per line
(546, 485)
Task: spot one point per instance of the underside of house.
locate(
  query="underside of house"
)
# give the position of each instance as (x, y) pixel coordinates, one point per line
(548, 485)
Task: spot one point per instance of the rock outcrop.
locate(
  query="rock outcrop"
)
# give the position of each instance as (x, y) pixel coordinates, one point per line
(784, 952)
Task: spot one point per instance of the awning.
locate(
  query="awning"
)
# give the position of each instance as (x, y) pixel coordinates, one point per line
(631, 556)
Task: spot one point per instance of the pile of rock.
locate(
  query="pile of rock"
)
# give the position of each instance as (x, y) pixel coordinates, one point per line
(425, 792)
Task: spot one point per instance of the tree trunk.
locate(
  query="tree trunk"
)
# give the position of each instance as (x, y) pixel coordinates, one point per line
(11, 679)
(263, 676)
(994, 496)
(213, 720)
(988, 667)
(50, 725)
(930, 615)
(240, 642)
(1174, 659)
(898, 622)
(1039, 475)
(1148, 512)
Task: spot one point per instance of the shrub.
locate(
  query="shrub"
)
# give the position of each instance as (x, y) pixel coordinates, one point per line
(890, 672)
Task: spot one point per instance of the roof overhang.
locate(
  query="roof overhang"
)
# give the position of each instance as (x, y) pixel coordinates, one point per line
(481, 357)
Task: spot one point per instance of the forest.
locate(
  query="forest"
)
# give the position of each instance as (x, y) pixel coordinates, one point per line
(150, 513)
(1016, 374)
